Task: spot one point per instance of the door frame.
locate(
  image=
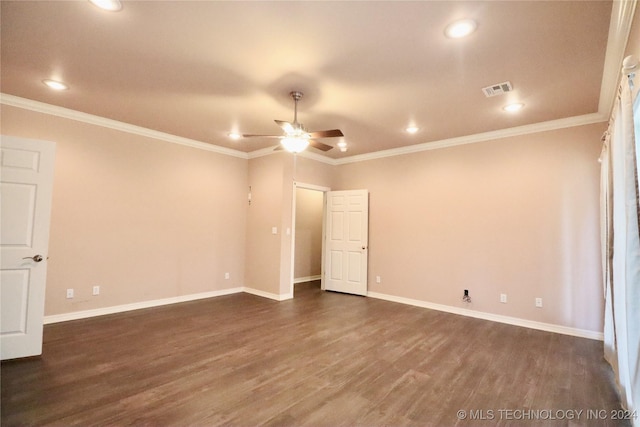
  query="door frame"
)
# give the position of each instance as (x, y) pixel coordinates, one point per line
(313, 187)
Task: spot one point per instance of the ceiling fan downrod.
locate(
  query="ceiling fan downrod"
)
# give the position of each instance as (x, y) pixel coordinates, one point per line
(296, 95)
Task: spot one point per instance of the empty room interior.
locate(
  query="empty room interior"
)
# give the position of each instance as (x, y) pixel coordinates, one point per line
(319, 213)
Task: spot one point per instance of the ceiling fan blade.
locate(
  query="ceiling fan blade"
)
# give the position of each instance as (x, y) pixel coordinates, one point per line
(248, 135)
(319, 145)
(278, 148)
(326, 133)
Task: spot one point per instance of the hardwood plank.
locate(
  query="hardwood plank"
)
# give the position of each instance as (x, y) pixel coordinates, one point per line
(319, 359)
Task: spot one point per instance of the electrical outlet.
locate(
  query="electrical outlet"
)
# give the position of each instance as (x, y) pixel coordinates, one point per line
(378, 279)
(503, 298)
(226, 275)
(96, 290)
(69, 293)
(539, 302)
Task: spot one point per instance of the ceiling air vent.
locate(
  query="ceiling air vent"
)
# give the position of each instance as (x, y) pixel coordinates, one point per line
(497, 89)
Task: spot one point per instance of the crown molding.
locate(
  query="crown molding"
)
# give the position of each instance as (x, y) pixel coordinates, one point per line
(622, 12)
(54, 110)
(586, 119)
(318, 157)
(41, 107)
(262, 152)
(568, 122)
(306, 154)
(44, 108)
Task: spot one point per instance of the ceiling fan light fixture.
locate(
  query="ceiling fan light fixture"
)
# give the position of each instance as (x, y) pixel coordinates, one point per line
(461, 28)
(296, 138)
(295, 145)
(288, 129)
(234, 135)
(412, 129)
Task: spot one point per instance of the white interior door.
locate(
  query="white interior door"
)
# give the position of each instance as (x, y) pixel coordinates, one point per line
(26, 183)
(346, 248)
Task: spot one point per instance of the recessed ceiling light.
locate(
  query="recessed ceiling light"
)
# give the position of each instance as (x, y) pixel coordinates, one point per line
(234, 135)
(55, 85)
(109, 5)
(512, 108)
(460, 28)
(412, 129)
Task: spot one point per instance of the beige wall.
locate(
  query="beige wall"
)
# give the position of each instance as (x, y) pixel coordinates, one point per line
(516, 215)
(262, 269)
(142, 218)
(146, 220)
(309, 171)
(308, 233)
(269, 268)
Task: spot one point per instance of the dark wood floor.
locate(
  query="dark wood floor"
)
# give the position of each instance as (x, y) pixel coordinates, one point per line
(319, 359)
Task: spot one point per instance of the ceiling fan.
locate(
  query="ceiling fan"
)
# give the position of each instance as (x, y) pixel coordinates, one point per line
(296, 137)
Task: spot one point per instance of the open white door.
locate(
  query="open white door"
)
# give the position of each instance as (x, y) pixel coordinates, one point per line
(347, 233)
(26, 184)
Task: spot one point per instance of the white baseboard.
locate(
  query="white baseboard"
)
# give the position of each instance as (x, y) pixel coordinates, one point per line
(269, 295)
(84, 314)
(548, 327)
(306, 279)
(76, 315)
(64, 317)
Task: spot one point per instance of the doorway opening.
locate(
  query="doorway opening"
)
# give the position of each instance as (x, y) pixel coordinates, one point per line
(308, 235)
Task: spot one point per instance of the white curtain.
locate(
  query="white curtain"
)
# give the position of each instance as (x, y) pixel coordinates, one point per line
(621, 245)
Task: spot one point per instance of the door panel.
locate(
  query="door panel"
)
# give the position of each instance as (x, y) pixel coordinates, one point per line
(337, 229)
(336, 265)
(15, 289)
(17, 222)
(355, 231)
(347, 240)
(26, 183)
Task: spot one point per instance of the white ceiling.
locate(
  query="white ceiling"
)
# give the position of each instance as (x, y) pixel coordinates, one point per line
(200, 70)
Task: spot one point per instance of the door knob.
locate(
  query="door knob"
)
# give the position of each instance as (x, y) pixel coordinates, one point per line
(35, 258)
